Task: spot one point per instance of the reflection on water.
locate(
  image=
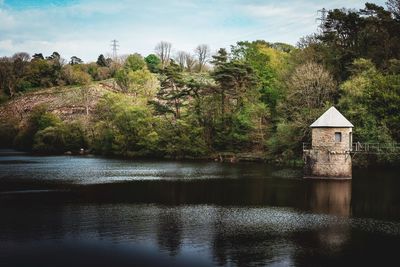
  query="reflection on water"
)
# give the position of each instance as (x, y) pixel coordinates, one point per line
(191, 214)
(169, 230)
(331, 197)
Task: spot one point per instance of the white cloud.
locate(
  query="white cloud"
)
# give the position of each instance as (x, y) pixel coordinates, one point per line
(86, 27)
(266, 10)
(6, 45)
(7, 21)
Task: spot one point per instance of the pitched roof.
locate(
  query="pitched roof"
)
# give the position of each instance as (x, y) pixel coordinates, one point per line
(332, 118)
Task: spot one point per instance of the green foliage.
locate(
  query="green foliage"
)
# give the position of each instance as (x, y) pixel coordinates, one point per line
(74, 75)
(134, 78)
(103, 138)
(20, 72)
(39, 119)
(8, 131)
(122, 78)
(7, 80)
(102, 61)
(153, 63)
(141, 82)
(60, 138)
(134, 132)
(372, 100)
(75, 60)
(130, 126)
(180, 138)
(97, 73)
(134, 62)
(371, 33)
(173, 92)
(45, 72)
(285, 144)
(310, 90)
(236, 80)
(49, 140)
(267, 61)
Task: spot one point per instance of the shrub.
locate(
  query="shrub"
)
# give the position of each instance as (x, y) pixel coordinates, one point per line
(60, 138)
(8, 131)
(38, 120)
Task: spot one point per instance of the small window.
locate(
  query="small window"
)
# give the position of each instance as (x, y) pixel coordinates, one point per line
(338, 137)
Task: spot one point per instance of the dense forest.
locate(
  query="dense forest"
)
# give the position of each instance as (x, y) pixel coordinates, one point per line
(257, 97)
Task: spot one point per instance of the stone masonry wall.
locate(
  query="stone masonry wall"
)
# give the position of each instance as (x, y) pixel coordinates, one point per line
(328, 158)
(325, 137)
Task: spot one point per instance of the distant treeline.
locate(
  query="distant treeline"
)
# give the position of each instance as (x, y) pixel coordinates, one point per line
(258, 97)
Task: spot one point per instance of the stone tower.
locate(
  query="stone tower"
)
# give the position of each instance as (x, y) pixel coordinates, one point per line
(329, 154)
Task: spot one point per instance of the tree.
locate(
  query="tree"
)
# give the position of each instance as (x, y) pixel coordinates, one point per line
(59, 138)
(203, 53)
(235, 79)
(37, 56)
(153, 63)
(173, 91)
(54, 56)
(239, 122)
(39, 119)
(21, 70)
(310, 90)
(75, 60)
(143, 84)
(124, 76)
(134, 62)
(82, 94)
(21, 56)
(190, 62)
(370, 100)
(394, 8)
(86, 96)
(7, 79)
(13, 73)
(73, 75)
(180, 58)
(370, 33)
(163, 50)
(269, 63)
(310, 86)
(45, 72)
(101, 61)
(135, 78)
(124, 128)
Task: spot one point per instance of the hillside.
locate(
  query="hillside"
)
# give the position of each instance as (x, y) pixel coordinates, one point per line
(67, 102)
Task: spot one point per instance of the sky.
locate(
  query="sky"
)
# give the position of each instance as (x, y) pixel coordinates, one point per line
(85, 28)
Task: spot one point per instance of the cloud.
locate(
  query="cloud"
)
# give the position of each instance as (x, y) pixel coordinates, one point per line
(84, 28)
(6, 44)
(266, 10)
(6, 20)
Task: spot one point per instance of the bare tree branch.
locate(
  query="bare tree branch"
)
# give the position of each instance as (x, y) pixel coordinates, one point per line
(163, 50)
(203, 54)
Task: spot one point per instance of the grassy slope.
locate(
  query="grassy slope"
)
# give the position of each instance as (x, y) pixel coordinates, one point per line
(65, 101)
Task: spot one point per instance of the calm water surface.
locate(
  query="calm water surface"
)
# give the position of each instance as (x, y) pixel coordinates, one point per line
(90, 211)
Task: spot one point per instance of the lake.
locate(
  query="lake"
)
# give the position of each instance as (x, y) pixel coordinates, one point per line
(93, 211)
